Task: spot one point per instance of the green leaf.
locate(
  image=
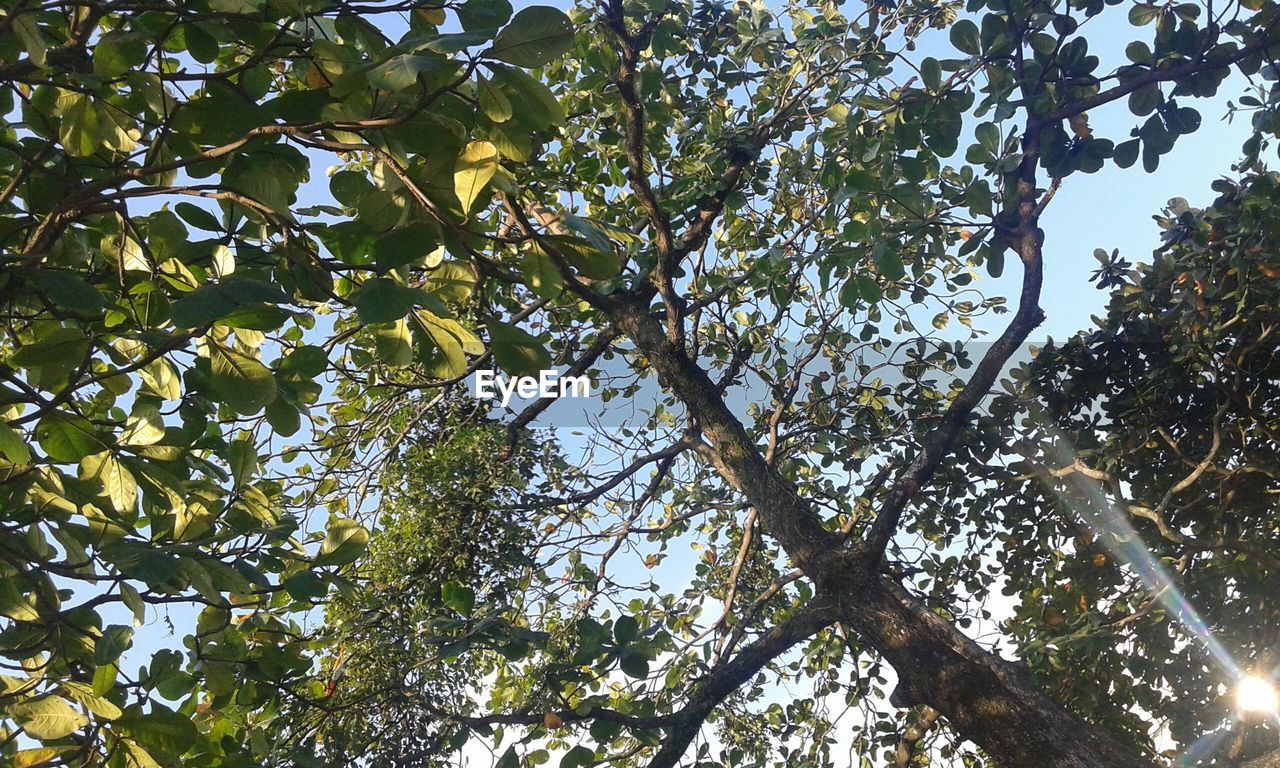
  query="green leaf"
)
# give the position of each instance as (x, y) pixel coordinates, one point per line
(104, 679)
(14, 446)
(405, 245)
(305, 585)
(344, 542)
(209, 304)
(402, 71)
(849, 295)
(533, 104)
(473, 170)
(578, 757)
(285, 420)
(625, 629)
(493, 102)
(197, 217)
(47, 718)
(67, 288)
(85, 696)
(133, 601)
(394, 343)
(242, 458)
(869, 289)
(61, 347)
(162, 379)
(484, 14)
(931, 73)
(41, 757)
(1126, 152)
(889, 262)
(1139, 52)
(452, 341)
(459, 597)
(380, 210)
(14, 604)
(80, 132)
(105, 471)
(1145, 100)
(509, 759)
(1142, 15)
(116, 53)
(137, 756)
(28, 33)
(995, 262)
(988, 135)
(519, 353)
(451, 282)
(634, 665)
(307, 361)
(965, 38)
(541, 274)
(534, 37)
(145, 426)
(242, 381)
(383, 300)
(349, 187)
(200, 44)
(161, 730)
(592, 261)
(68, 438)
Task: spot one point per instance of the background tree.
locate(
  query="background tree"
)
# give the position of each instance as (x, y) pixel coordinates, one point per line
(779, 210)
(1162, 418)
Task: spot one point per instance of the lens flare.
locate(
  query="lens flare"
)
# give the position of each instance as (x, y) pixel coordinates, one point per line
(1257, 694)
(1118, 535)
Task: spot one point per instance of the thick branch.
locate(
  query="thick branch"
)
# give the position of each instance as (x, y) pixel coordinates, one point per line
(1170, 74)
(726, 679)
(784, 513)
(1026, 242)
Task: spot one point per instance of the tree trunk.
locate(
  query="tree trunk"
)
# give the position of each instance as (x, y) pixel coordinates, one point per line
(986, 699)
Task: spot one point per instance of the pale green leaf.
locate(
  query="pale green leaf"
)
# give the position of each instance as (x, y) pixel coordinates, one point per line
(534, 37)
(473, 170)
(47, 718)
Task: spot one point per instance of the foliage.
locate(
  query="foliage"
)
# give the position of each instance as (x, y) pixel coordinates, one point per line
(206, 343)
(1164, 413)
(450, 559)
(176, 285)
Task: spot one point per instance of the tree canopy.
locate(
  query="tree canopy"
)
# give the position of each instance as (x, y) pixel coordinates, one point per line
(254, 250)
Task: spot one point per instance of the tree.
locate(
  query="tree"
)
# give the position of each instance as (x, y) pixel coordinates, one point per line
(163, 273)
(709, 194)
(1161, 419)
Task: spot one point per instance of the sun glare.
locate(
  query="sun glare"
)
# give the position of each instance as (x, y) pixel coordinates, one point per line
(1256, 694)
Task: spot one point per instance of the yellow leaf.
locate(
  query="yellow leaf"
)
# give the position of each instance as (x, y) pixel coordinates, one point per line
(37, 758)
(1080, 126)
(473, 170)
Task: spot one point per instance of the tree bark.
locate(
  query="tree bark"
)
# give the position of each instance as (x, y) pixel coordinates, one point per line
(986, 699)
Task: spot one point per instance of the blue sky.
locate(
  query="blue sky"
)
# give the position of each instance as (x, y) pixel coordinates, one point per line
(1113, 208)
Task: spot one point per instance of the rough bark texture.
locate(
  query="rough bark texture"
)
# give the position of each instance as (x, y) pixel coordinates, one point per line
(989, 700)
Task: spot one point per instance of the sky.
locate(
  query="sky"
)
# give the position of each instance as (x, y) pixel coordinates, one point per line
(1113, 208)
